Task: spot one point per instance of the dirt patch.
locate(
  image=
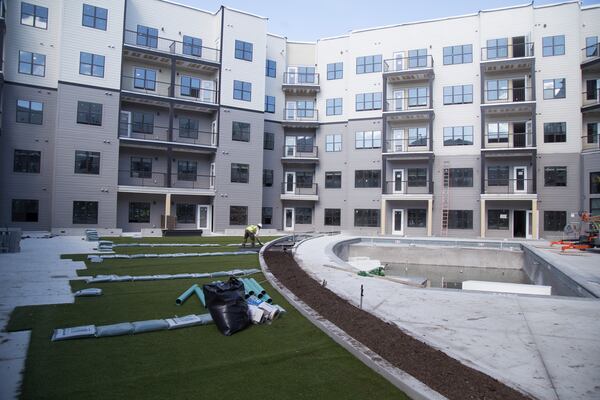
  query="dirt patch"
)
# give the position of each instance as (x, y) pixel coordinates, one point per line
(432, 367)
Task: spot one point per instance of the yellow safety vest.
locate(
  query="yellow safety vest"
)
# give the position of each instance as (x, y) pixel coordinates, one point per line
(252, 229)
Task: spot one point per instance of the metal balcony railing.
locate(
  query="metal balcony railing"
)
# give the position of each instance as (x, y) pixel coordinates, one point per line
(407, 145)
(159, 179)
(407, 103)
(591, 141)
(188, 49)
(508, 140)
(301, 114)
(507, 95)
(299, 189)
(400, 64)
(301, 78)
(165, 89)
(300, 151)
(186, 180)
(590, 52)
(591, 98)
(508, 186)
(507, 51)
(138, 130)
(409, 186)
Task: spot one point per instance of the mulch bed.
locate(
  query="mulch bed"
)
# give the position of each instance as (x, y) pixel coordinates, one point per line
(434, 368)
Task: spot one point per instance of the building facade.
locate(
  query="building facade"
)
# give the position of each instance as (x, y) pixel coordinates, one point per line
(119, 118)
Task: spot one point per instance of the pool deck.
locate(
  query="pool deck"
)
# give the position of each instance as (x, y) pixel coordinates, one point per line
(548, 347)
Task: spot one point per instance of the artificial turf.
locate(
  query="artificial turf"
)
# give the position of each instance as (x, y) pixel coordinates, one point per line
(288, 359)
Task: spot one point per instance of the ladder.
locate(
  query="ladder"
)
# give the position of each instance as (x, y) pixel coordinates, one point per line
(445, 199)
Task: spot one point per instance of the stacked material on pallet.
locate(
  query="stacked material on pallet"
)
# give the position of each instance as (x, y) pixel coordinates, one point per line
(91, 235)
(127, 278)
(105, 245)
(169, 255)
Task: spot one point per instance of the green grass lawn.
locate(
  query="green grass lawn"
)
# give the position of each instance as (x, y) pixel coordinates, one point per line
(289, 359)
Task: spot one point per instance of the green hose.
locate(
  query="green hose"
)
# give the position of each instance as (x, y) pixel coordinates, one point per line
(184, 296)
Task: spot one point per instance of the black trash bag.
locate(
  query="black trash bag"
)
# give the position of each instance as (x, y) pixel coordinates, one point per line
(226, 304)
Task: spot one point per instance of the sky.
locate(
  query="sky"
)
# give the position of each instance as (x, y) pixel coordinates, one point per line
(309, 20)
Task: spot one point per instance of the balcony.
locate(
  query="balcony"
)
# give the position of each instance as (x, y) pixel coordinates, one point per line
(509, 189)
(408, 146)
(300, 118)
(158, 182)
(508, 57)
(140, 134)
(300, 82)
(591, 58)
(161, 50)
(408, 108)
(590, 101)
(292, 190)
(300, 154)
(508, 140)
(406, 69)
(408, 190)
(508, 100)
(591, 141)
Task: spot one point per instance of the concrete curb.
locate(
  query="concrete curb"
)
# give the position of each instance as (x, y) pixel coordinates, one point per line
(414, 388)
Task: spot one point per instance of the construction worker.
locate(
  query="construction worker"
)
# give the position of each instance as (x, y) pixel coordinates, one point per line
(252, 233)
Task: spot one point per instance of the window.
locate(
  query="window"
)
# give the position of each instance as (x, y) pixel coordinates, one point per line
(498, 132)
(497, 175)
(460, 94)
(87, 162)
(94, 17)
(25, 210)
(458, 136)
(553, 45)
(592, 133)
(333, 180)
(417, 218)
(240, 131)
(369, 178)
(139, 212)
(141, 167)
(303, 215)
(461, 177)
(368, 64)
(306, 74)
(497, 219)
(242, 90)
(418, 97)
(417, 137)
(417, 58)
(267, 215)
(85, 212)
(238, 215)
(460, 219)
(144, 78)
(366, 217)
(305, 109)
(143, 122)
(461, 54)
(367, 140)
(335, 71)
(269, 141)
(243, 50)
(496, 90)
(147, 36)
(304, 144)
(333, 216)
(267, 177)
(497, 48)
(368, 101)
(555, 220)
(555, 176)
(89, 113)
(555, 132)
(240, 173)
(270, 104)
(554, 88)
(304, 179)
(188, 128)
(417, 177)
(595, 206)
(32, 15)
(186, 213)
(91, 64)
(192, 46)
(32, 63)
(187, 170)
(334, 106)
(27, 161)
(271, 69)
(591, 46)
(30, 112)
(594, 182)
(190, 86)
(333, 143)
(592, 91)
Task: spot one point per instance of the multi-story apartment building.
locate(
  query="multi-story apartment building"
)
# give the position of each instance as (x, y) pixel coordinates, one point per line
(129, 115)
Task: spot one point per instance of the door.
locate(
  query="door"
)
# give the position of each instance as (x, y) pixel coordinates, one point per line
(290, 182)
(214, 130)
(398, 100)
(292, 75)
(397, 222)
(519, 134)
(398, 140)
(529, 225)
(398, 181)
(290, 146)
(592, 89)
(288, 219)
(518, 44)
(398, 61)
(203, 217)
(290, 111)
(125, 124)
(207, 93)
(518, 89)
(520, 179)
(519, 223)
(211, 177)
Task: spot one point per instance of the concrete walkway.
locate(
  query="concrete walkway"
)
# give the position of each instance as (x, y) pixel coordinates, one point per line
(548, 347)
(34, 276)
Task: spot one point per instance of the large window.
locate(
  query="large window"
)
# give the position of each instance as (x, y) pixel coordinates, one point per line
(368, 64)
(139, 212)
(591, 46)
(368, 101)
(270, 104)
(333, 143)
(24, 210)
(305, 109)
(497, 175)
(417, 177)
(497, 132)
(498, 219)
(303, 215)
(458, 135)
(89, 113)
(306, 74)
(555, 176)
(417, 137)
(243, 50)
(460, 219)
(496, 90)
(188, 128)
(304, 179)
(417, 58)
(267, 177)
(269, 141)
(271, 68)
(459, 94)
(333, 217)
(141, 167)
(32, 63)
(555, 132)
(187, 170)
(240, 173)
(94, 17)
(367, 140)
(335, 71)
(142, 122)
(333, 179)
(366, 217)
(91, 64)
(30, 112)
(238, 215)
(461, 54)
(553, 45)
(85, 212)
(192, 46)
(147, 36)
(461, 177)
(87, 162)
(334, 106)
(27, 161)
(186, 213)
(555, 88)
(592, 132)
(595, 206)
(144, 78)
(190, 86)
(242, 90)
(240, 131)
(416, 218)
(267, 215)
(32, 15)
(555, 220)
(497, 48)
(368, 178)
(418, 97)
(594, 182)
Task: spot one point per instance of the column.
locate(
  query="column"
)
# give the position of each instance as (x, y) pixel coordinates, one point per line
(383, 216)
(535, 220)
(482, 218)
(167, 209)
(429, 217)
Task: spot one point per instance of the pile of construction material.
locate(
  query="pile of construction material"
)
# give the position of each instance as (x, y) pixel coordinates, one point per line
(99, 257)
(10, 240)
(91, 235)
(105, 245)
(129, 278)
